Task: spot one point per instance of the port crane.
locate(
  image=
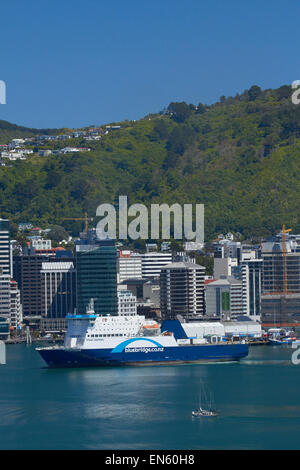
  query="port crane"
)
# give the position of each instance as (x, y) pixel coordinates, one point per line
(86, 220)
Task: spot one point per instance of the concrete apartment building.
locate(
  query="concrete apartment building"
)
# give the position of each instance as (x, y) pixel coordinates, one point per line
(182, 290)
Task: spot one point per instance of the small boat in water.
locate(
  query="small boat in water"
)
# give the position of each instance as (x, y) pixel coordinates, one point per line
(202, 412)
(206, 413)
(279, 336)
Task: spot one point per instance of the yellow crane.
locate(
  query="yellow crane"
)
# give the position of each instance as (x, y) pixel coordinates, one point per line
(284, 251)
(86, 220)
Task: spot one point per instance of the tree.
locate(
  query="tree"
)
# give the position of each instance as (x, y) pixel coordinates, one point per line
(180, 111)
(201, 108)
(13, 230)
(58, 233)
(139, 244)
(176, 246)
(254, 92)
(21, 239)
(207, 262)
(162, 129)
(284, 92)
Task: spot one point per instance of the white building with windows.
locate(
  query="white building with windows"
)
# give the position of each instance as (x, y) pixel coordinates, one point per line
(251, 275)
(153, 262)
(5, 296)
(126, 302)
(10, 301)
(40, 243)
(16, 314)
(5, 249)
(129, 265)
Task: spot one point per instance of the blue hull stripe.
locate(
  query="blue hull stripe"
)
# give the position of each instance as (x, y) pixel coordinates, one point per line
(106, 357)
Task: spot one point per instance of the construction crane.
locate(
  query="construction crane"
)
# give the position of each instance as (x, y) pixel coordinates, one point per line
(284, 252)
(86, 220)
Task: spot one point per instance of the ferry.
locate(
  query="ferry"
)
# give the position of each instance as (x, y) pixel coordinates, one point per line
(121, 340)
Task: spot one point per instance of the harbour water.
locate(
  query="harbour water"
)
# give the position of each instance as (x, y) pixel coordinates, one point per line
(150, 407)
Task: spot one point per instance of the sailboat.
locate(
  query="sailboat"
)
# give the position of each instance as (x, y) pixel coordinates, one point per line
(210, 412)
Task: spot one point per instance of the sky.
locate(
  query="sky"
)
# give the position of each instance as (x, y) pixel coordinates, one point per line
(74, 63)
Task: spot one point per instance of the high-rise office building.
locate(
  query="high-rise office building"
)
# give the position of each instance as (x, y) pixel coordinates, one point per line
(251, 276)
(182, 290)
(5, 248)
(96, 266)
(58, 289)
(27, 273)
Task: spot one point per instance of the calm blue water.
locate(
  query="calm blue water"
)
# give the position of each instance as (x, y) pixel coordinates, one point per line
(150, 407)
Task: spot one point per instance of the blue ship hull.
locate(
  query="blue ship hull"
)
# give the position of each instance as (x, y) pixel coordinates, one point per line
(62, 357)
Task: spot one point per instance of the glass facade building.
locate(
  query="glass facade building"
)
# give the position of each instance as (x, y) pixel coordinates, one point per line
(97, 277)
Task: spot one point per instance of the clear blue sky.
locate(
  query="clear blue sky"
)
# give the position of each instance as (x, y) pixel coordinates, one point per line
(74, 63)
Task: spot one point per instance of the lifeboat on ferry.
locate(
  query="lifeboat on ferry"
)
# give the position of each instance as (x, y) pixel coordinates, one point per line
(150, 327)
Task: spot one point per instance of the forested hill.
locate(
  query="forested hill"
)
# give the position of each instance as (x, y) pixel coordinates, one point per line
(240, 157)
(10, 131)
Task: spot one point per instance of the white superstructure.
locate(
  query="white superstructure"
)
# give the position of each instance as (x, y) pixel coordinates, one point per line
(99, 332)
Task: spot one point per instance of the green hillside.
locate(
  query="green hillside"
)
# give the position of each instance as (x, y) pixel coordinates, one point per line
(240, 157)
(10, 131)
